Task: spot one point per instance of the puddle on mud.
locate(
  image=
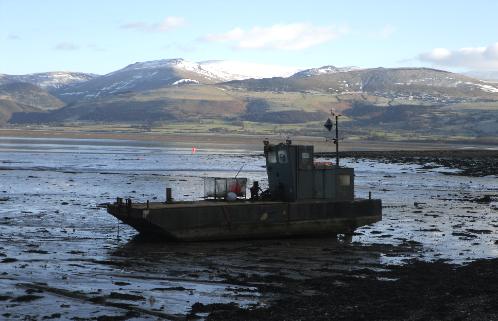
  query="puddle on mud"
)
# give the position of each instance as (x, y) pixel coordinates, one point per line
(60, 255)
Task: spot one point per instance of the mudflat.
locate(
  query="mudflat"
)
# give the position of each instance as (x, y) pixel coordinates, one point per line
(415, 291)
(232, 141)
(470, 162)
(433, 256)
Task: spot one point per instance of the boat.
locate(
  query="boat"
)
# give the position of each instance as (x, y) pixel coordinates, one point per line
(304, 198)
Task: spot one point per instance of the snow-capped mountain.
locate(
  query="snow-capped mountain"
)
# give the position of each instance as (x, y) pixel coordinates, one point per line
(421, 84)
(177, 64)
(150, 92)
(141, 76)
(237, 70)
(170, 72)
(427, 85)
(324, 70)
(49, 80)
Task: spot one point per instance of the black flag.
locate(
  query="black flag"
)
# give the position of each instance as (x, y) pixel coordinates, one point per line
(328, 124)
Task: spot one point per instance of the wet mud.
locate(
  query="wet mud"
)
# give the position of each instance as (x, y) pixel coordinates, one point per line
(415, 291)
(469, 162)
(62, 257)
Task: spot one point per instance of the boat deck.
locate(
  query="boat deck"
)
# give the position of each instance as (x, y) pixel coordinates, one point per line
(200, 203)
(215, 203)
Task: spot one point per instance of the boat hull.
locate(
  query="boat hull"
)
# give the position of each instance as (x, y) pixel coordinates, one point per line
(206, 220)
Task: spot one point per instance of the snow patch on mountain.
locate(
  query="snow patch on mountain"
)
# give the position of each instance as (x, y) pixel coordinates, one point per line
(178, 64)
(49, 80)
(324, 70)
(239, 70)
(487, 88)
(185, 81)
(213, 70)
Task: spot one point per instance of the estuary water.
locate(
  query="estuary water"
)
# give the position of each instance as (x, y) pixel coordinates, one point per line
(63, 256)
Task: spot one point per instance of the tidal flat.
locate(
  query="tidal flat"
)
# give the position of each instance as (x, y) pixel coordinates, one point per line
(63, 257)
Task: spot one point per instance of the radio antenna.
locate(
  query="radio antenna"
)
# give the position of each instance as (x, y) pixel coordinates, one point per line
(329, 125)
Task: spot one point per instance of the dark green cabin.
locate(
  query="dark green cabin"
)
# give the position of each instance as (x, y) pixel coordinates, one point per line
(294, 175)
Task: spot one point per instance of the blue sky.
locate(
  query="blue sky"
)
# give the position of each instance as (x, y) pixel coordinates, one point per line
(102, 36)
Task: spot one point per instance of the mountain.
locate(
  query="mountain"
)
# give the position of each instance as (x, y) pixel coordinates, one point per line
(9, 107)
(238, 70)
(48, 80)
(140, 76)
(428, 86)
(323, 71)
(30, 95)
(173, 103)
(25, 97)
(168, 72)
(377, 99)
(283, 100)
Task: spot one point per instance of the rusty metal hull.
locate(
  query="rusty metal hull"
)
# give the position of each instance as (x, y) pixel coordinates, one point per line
(206, 220)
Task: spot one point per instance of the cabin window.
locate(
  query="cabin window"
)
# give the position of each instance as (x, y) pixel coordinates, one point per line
(282, 157)
(305, 155)
(272, 157)
(344, 180)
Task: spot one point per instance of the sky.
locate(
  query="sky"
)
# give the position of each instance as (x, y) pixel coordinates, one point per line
(106, 35)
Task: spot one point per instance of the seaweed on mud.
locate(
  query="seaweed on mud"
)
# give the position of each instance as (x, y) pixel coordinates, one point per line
(415, 291)
(126, 296)
(128, 315)
(210, 308)
(9, 260)
(26, 298)
(476, 163)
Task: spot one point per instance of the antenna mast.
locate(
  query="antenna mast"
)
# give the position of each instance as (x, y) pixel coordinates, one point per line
(329, 125)
(336, 140)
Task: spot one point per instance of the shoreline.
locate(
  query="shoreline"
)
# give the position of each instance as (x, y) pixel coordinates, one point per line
(476, 161)
(236, 141)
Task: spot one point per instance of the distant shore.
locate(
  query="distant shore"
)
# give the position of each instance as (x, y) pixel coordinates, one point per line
(471, 160)
(235, 141)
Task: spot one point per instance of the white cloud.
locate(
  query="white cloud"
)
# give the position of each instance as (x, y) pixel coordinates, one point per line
(66, 46)
(479, 58)
(167, 24)
(294, 36)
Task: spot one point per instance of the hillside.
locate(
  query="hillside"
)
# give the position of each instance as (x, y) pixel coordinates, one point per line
(375, 102)
(24, 97)
(177, 103)
(9, 107)
(429, 86)
(324, 70)
(30, 95)
(138, 77)
(48, 80)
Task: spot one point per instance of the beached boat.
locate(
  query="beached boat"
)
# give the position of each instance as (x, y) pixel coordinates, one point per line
(304, 198)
